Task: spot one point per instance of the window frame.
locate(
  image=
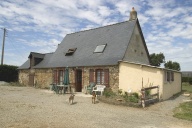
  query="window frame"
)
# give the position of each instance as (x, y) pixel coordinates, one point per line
(70, 52)
(169, 76)
(58, 77)
(103, 77)
(100, 51)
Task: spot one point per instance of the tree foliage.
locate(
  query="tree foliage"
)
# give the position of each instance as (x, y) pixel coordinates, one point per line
(187, 79)
(172, 65)
(157, 59)
(8, 73)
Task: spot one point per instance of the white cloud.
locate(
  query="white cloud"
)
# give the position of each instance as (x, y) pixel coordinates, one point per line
(90, 16)
(43, 43)
(142, 19)
(190, 45)
(104, 11)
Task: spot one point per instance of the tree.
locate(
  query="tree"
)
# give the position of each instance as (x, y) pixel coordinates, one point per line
(172, 65)
(157, 59)
(8, 73)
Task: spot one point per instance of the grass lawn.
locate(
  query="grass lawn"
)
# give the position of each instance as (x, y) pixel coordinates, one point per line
(184, 111)
(187, 87)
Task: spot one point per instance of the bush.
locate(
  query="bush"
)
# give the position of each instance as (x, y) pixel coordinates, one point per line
(120, 91)
(134, 97)
(187, 79)
(108, 92)
(147, 93)
(8, 73)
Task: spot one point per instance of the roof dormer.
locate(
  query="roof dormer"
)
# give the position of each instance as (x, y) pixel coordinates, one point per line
(35, 58)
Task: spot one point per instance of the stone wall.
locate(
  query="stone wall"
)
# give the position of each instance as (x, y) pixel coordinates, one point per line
(43, 77)
(24, 77)
(113, 76)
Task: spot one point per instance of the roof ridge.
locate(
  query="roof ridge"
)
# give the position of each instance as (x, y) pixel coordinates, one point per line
(49, 53)
(37, 53)
(100, 27)
(43, 53)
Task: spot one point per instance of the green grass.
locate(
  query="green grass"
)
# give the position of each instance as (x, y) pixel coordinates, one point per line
(184, 111)
(187, 87)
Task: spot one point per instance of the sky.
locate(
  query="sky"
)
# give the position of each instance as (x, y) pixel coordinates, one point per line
(40, 25)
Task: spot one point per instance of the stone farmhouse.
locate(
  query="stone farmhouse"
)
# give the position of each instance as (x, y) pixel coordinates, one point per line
(114, 55)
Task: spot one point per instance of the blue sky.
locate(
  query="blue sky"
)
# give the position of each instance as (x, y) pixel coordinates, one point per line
(40, 25)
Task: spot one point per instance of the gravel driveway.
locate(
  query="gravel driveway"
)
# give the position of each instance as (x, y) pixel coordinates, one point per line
(27, 107)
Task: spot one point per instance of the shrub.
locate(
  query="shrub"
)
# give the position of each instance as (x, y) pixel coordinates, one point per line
(108, 92)
(190, 82)
(120, 91)
(147, 92)
(134, 97)
(8, 73)
(187, 79)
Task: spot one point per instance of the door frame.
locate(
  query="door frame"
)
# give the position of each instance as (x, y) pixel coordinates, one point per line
(78, 85)
(31, 79)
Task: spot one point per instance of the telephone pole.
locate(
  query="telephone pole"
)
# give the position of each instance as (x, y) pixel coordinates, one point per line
(2, 55)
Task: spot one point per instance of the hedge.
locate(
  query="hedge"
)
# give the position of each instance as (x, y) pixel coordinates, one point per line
(8, 73)
(187, 79)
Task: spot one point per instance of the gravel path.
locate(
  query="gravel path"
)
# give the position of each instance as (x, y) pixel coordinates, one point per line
(27, 107)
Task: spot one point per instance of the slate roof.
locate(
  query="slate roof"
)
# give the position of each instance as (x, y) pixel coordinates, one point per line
(45, 61)
(116, 36)
(26, 65)
(37, 55)
(46, 58)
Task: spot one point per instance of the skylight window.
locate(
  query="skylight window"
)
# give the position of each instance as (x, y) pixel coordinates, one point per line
(100, 48)
(70, 52)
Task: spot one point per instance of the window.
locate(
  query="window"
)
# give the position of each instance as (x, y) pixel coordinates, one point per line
(58, 76)
(55, 78)
(100, 48)
(70, 52)
(169, 76)
(172, 76)
(102, 77)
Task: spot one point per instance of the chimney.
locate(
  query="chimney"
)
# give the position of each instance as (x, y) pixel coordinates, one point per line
(133, 14)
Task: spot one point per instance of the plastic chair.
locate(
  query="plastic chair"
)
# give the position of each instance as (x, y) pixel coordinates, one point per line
(90, 87)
